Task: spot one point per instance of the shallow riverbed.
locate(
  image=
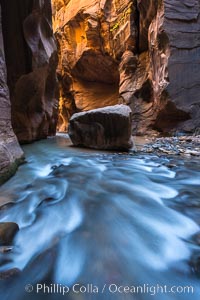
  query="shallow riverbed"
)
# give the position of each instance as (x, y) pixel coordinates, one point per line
(105, 219)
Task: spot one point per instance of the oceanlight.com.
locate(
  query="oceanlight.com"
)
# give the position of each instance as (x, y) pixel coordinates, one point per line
(108, 288)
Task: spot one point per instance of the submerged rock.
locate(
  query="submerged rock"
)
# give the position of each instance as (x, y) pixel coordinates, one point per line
(8, 231)
(9, 274)
(103, 128)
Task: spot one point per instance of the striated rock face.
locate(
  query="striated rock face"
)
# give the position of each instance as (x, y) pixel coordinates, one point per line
(181, 35)
(142, 53)
(102, 128)
(10, 152)
(31, 60)
(169, 66)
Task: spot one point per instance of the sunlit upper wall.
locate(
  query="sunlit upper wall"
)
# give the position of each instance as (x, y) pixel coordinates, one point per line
(69, 8)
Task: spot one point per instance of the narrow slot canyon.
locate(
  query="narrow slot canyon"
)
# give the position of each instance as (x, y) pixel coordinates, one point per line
(105, 53)
(99, 149)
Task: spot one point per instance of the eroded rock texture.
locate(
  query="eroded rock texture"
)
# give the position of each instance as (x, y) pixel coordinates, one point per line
(103, 128)
(143, 53)
(31, 60)
(92, 35)
(10, 152)
(181, 31)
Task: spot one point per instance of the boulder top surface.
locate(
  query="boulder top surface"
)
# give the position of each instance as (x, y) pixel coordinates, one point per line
(119, 109)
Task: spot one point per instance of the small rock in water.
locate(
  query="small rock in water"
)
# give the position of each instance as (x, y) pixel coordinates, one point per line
(186, 146)
(8, 231)
(171, 166)
(9, 273)
(5, 249)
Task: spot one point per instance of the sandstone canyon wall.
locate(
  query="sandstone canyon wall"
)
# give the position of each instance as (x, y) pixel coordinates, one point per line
(89, 54)
(28, 84)
(10, 152)
(31, 60)
(144, 53)
(181, 23)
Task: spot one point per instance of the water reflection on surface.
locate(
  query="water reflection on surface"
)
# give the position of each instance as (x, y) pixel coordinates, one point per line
(100, 218)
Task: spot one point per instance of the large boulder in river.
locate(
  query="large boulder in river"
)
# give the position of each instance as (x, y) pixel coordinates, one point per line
(102, 128)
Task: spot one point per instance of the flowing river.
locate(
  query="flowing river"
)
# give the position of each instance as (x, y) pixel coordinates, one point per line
(113, 225)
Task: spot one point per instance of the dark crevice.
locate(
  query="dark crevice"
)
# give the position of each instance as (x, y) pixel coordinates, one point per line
(17, 53)
(137, 22)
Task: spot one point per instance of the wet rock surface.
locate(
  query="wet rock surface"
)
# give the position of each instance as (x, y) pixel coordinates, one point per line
(104, 128)
(6, 275)
(8, 231)
(183, 145)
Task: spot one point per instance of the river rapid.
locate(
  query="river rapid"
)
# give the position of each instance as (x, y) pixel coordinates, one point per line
(103, 221)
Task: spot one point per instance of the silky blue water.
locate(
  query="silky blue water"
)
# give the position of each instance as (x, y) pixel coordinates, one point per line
(101, 218)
